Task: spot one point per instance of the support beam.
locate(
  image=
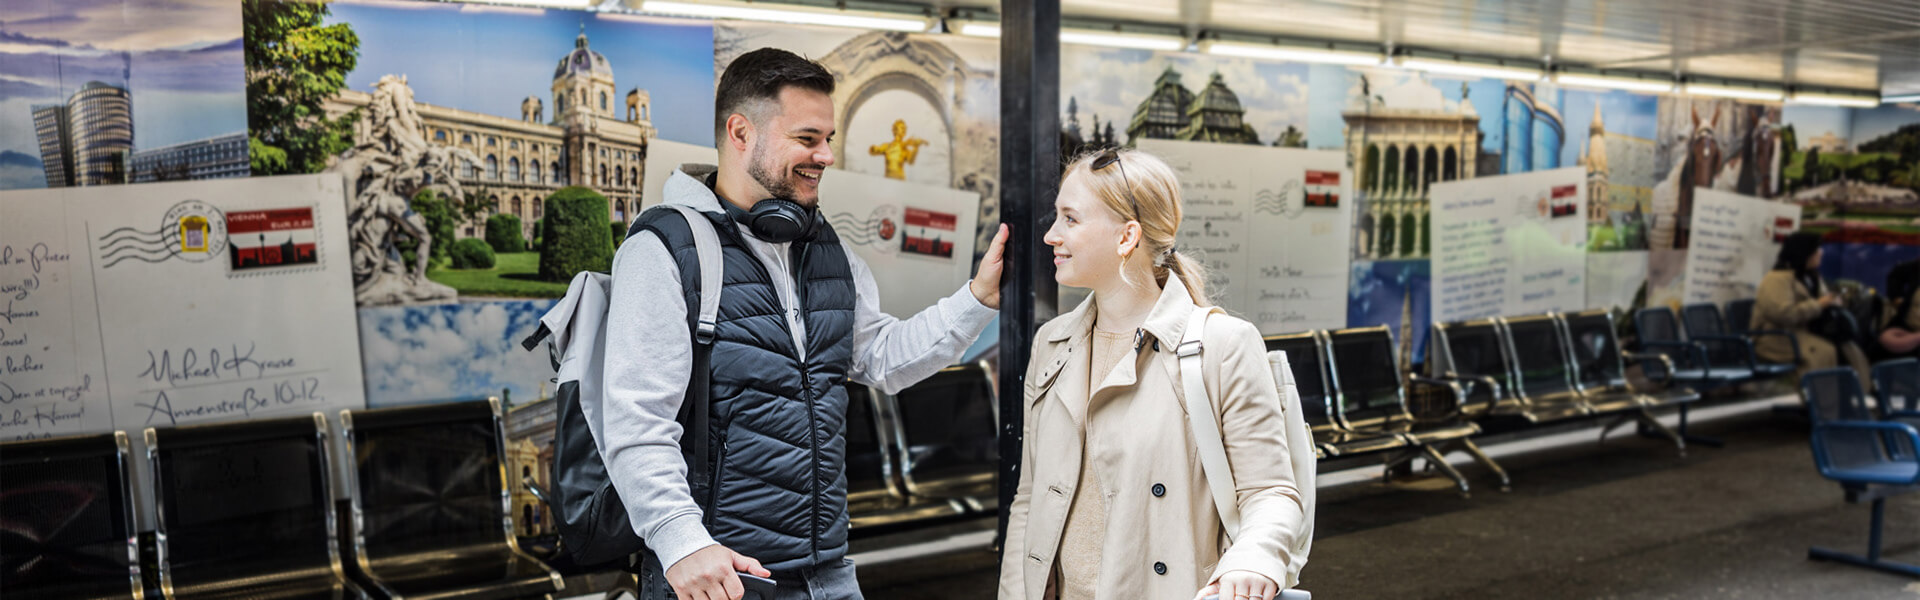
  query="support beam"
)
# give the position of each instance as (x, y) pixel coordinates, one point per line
(1029, 178)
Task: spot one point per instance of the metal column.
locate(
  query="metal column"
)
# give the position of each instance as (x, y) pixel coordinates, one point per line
(1029, 178)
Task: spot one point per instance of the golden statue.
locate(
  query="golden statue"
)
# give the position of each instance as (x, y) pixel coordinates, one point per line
(900, 152)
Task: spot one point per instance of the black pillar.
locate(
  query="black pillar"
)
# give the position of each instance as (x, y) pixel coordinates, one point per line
(1029, 178)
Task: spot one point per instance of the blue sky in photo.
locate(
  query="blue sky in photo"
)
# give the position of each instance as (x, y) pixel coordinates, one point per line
(448, 352)
(489, 59)
(1814, 121)
(1621, 113)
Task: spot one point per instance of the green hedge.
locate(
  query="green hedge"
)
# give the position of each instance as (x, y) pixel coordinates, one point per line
(472, 253)
(575, 234)
(619, 233)
(503, 234)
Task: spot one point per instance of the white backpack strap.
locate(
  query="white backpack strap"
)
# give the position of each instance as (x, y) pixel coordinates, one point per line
(1305, 466)
(706, 244)
(1203, 418)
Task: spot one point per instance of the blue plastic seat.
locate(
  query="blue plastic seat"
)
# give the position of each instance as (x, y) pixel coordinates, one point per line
(1871, 460)
(1704, 323)
(1896, 384)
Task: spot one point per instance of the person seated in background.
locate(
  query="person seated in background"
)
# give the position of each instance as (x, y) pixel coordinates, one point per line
(1900, 327)
(1792, 298)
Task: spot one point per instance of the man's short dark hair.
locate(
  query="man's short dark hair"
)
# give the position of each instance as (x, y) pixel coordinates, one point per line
(753, 83)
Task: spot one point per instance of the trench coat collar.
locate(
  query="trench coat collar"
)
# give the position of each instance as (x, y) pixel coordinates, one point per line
(1166, 322)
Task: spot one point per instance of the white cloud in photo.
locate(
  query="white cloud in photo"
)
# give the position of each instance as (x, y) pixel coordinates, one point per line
(421, 354)
(1400, 90)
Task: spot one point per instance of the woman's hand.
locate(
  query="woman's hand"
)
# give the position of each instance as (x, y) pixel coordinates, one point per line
(1830, 299)
(1240, 585)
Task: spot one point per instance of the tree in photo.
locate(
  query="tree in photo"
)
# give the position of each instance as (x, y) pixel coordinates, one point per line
(472, 253)
(503, 234)
(294, 64)
(576, 236)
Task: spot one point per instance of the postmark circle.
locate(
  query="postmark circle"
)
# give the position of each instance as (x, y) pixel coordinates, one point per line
(197, 231)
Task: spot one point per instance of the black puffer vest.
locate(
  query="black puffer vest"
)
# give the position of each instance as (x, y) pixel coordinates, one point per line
(777, 489)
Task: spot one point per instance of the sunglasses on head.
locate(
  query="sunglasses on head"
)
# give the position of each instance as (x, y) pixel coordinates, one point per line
(1112, 157)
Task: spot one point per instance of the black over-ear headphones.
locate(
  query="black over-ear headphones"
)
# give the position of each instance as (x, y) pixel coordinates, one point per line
(777, 220)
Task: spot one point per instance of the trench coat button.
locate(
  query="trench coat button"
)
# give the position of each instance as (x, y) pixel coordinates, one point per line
(1159, 490)
(1159, 568)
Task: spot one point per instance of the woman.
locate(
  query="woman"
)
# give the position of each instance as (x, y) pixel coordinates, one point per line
(1900, 328)
(1791, 296)
(1112, 500)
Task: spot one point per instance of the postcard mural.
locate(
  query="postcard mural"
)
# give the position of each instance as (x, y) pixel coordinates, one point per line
(489, 158)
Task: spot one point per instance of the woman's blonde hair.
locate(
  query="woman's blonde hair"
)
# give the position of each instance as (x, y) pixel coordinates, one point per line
(1156, 189)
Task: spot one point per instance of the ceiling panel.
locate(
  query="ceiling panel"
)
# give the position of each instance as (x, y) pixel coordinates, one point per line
(1861, 44)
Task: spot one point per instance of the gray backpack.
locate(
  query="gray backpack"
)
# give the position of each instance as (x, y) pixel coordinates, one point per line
(591, 518)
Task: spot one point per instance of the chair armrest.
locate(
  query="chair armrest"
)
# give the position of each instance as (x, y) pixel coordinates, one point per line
(1792, 340)
(538, 493)
(1436, 399)
(1665, 378)
(1740, 345)
(1694, 355)
(1471, 384)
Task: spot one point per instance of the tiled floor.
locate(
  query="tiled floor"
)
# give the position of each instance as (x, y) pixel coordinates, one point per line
(1627, 520)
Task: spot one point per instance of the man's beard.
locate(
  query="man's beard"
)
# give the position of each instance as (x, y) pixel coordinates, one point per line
(775, 183)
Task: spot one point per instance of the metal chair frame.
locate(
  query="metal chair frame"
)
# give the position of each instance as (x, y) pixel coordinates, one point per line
(1867, 484)
(361, 558)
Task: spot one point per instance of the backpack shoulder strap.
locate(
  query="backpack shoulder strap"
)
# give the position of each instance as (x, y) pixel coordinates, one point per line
(1202, 417)
(706, 243)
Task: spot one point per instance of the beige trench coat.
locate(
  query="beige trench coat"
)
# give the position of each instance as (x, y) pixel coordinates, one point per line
(1783, 303)
(1158, 547)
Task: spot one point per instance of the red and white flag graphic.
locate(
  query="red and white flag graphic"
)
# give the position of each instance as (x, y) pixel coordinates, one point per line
(272, 238)
(929, 233)
(1323, 189)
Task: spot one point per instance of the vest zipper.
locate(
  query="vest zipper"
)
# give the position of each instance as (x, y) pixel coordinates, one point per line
(799, 251)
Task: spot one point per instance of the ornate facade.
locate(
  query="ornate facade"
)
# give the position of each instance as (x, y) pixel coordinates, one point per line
(586, 143)
(1398, 153)
(1172, 112)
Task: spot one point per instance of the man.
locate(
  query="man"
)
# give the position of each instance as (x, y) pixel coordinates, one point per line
(774, 502)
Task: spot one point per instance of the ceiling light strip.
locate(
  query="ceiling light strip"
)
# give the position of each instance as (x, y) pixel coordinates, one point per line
(1740, 93)
(1293, 53)
(1631, 84)
(795, 14)
(1469, 69)
(1122, 40)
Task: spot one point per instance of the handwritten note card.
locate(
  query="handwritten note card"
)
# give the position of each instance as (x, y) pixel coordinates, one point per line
(1511, 245)
(139, 306)
(1273, 226)
(1735, 241)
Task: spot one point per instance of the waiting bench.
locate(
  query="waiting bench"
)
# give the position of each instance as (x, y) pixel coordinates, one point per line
(69, 511)
(245, 510)
(1372, 397)
(430, 510)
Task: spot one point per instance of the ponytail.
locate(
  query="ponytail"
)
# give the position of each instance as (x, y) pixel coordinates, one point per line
(1191, 272)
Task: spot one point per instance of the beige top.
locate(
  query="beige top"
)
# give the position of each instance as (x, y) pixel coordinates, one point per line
(1086, 529)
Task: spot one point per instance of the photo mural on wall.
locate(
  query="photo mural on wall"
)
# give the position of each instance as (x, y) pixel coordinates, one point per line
(489, 158)
(1856, 176)
(104, 93)
(1712, 143)
(916, 107)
